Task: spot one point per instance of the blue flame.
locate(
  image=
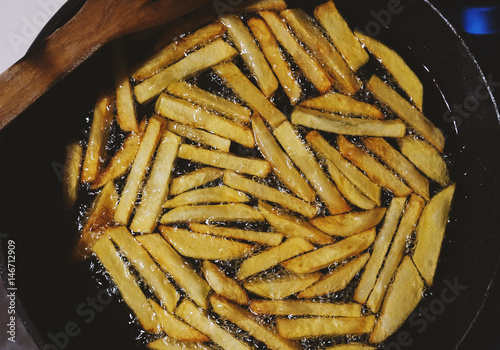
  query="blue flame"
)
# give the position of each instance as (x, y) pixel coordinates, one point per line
(481, 20)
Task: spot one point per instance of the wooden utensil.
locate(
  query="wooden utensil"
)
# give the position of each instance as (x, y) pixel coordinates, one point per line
(97, 23)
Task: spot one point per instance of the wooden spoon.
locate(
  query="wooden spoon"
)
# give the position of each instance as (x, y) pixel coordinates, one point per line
(97, 23)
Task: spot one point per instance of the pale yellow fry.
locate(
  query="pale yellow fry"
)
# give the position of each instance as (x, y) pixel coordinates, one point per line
(210, 101)
(325, 256)
(185, 112)
(312, 70)
(276, 59)
(145, 266)
(201, 246)
(310, 35)
(400, 71)
(404, 110)
(402, 298)
(225, 160)
(251, 54)
(194, 179)
(337, 279)
(282, 286)
(280, 162)
(409, 219)
(372, 167)
(125, 109)
(397, 162)
(176, 266)
(177, 49)
(216, 194)
(199, 136)
(210, 55)
(273, 256)
(175, 327)
(430, 233)
(380, 248)
(303, 308)
(292, 226)
(99, 134)
(341, 35)
(137, 173)
(307, 163)
(198, 319)
(246, 321)
(259, 5)
(334, 102)
(167, 343)
(224, 285)
(352, 346)
(249, 93)
(71, 173)
(270, 194)
(426, 158)
(344, 125)
(298, 328)
(266, 238)
(209, 213)
(126, 283)
(350, 223)
(156, 189)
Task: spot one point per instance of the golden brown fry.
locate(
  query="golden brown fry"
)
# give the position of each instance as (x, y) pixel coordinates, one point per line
(199, 136)
(167, 343)
(216, 212)
(260, 5)
(282, 286)
(71, 173)
(303, 308)
(266, 238)
(224, 285)
(194, 179)
(216, 194)
(334, 102)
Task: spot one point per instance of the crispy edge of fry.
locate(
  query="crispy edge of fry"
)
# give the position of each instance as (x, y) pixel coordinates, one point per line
(224, 285)
(338, 103)
(216, 212)
(71, 174)
(200, 136)
(167, 343)
(282, 286)
(260, 5)
(304, 308)
(215, 194)
(266, 238)
(196, 178)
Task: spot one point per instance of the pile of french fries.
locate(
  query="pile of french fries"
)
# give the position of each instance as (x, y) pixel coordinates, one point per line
(329, 200)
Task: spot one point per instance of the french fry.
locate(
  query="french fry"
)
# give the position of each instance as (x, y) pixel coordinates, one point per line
(341, 35)
(187, 113)
(177, 49)
(225, 160)
(273, 256)
(260, 5)
(404, 110)
(347, 125)
(310, 35)
(292, 226)
(126, 283)
(334, 102)
(198, 319)
(199, 136)
(325, 256)
(137, 173)
(402, 297)
(307, 64)
(352, 346)
(305, 161)
(224, 285)
(270, 194)
(156, 189)
(336, 280)
(71, 173)
(265, 238)
(298, 328)
(380, 248)
(210, 101)
(281, 164)
(210, 55)
(426, 158)
(200, 246)
(409, 219)
(145, 266)
(217, 212)
(400, 71)
(194, 179)
(350, 223)
(430, 233)
(167, 343)
(282, 286)
(249, 93)
(246, 321)
(217, 194)
(251, 54)
(99, 134)
(176, 266)
(372, 167)
(276, 59)
(304, 308)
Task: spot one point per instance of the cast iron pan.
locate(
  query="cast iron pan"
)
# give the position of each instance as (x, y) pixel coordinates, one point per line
(66, 307)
